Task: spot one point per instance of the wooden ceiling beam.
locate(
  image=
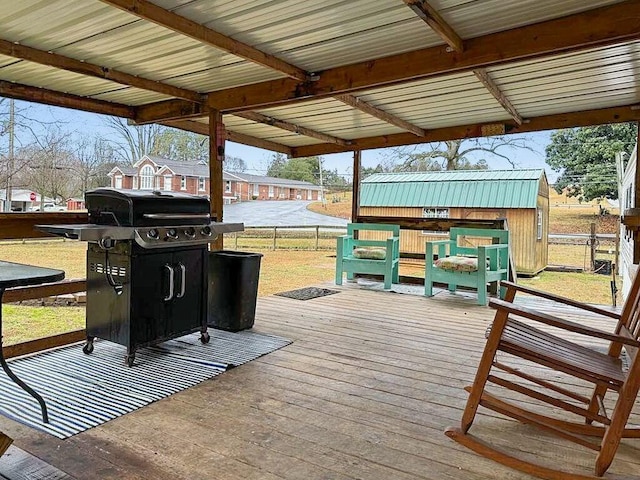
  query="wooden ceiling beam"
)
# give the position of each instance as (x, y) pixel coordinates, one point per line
(629, 113)
(65, 100)
(238, 137)
(274, 122)
(169, 110)
(502, 99)
(203, 129)
(593, 28)
(189, 28)
(51, 59)
(366, 107)
(432, 18)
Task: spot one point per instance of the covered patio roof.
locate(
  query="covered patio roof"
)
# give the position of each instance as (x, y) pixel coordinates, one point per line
(308, 78)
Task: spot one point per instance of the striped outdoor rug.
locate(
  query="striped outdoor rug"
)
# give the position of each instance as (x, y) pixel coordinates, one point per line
(83, 391)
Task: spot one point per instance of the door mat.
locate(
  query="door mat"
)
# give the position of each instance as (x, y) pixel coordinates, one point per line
(307, 293)
(83, 391)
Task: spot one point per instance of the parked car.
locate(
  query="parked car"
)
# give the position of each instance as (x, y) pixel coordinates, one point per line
(49, 207)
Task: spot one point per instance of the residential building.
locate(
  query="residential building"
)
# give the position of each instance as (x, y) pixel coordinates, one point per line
(157, 173)
(22, 200)
(628, 234)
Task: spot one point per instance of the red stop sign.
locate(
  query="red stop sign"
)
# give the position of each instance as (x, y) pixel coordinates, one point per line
(32, 197)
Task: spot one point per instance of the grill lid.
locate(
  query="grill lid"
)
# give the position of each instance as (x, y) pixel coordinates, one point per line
(142, 208)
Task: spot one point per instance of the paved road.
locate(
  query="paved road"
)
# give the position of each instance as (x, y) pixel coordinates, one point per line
(278, 213)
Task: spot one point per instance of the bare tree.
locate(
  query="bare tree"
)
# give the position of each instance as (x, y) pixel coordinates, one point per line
(454, 154)
(93, 159)
(17, 129)
(50, 162)
(234, 164)
(133, 141)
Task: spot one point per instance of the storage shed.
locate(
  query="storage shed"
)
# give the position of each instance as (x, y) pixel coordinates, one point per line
(520, 196)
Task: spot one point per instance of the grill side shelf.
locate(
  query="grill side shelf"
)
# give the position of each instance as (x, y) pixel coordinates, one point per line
(88, 232)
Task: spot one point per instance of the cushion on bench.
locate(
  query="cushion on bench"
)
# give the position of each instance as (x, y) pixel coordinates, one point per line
(458, 263)
(370, 253)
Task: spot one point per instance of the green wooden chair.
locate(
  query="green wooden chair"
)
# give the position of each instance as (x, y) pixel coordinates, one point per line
(380, 257)
(458, 261)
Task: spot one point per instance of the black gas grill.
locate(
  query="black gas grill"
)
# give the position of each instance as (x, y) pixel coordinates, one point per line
(147, 265)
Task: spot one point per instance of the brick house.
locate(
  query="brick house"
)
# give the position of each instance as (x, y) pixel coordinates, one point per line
(157, 173)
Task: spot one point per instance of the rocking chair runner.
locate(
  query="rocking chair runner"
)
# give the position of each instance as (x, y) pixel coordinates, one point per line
(604, 371)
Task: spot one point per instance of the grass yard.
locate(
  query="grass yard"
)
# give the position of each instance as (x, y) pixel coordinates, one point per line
(283, 270)
(280, 270)
(21, 323)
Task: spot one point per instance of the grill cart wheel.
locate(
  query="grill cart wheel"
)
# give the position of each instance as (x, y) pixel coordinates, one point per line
(130, 359)
(204, 338)
(88, 347)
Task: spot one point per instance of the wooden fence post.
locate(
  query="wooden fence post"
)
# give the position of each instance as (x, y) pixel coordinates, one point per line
(592, 244)
(317, 236)
(275, 229)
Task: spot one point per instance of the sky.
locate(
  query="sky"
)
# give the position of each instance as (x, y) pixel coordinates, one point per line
(257, 159)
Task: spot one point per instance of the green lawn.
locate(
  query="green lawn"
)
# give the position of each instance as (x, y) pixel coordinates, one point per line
(280, 270)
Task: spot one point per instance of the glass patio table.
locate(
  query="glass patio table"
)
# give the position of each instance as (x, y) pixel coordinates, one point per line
(21, 275)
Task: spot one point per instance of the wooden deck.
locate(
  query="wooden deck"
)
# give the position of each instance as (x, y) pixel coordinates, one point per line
(364, 392)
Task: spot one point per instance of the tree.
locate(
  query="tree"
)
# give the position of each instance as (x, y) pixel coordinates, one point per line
(50, 161)
(453, 154)
(306, 169)
(276, 164)
(180, 145)
(133, 141)
(234, 164)
(366, 171)
(93, 160)
(18, 129)
(586, 158)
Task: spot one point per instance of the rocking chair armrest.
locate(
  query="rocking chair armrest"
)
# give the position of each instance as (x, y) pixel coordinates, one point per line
(560, 299)
(560, 322)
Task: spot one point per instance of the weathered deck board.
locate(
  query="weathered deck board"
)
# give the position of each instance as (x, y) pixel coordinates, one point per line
(365, 391)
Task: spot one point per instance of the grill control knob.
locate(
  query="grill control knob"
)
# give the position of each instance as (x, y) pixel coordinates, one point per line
(172, 234)
(190, 232)
(153, 234)
(206, 231)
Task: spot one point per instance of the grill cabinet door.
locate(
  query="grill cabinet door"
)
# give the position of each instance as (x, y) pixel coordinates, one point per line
(151, 297)
(187, 307)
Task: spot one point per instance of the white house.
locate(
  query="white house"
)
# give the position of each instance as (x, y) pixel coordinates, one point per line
(627, 267)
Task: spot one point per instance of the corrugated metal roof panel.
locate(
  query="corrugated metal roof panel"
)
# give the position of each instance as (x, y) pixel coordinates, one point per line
(4, 60)
(572, 82)
(131, 96)
(473, 18)
(468, 194)
(455, 175)
(51, 24)
(320, 34)
(37, 75)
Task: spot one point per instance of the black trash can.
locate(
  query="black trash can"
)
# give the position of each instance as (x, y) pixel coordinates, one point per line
(233, 289)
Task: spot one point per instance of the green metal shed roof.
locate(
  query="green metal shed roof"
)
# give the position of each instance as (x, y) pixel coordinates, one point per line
(457, 188)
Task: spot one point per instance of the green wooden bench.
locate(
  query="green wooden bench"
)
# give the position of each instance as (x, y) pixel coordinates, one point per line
(381, 257)
(458, 261)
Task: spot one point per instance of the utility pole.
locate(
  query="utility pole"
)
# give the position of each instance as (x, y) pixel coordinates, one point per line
(10, 159)
(324, 202)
